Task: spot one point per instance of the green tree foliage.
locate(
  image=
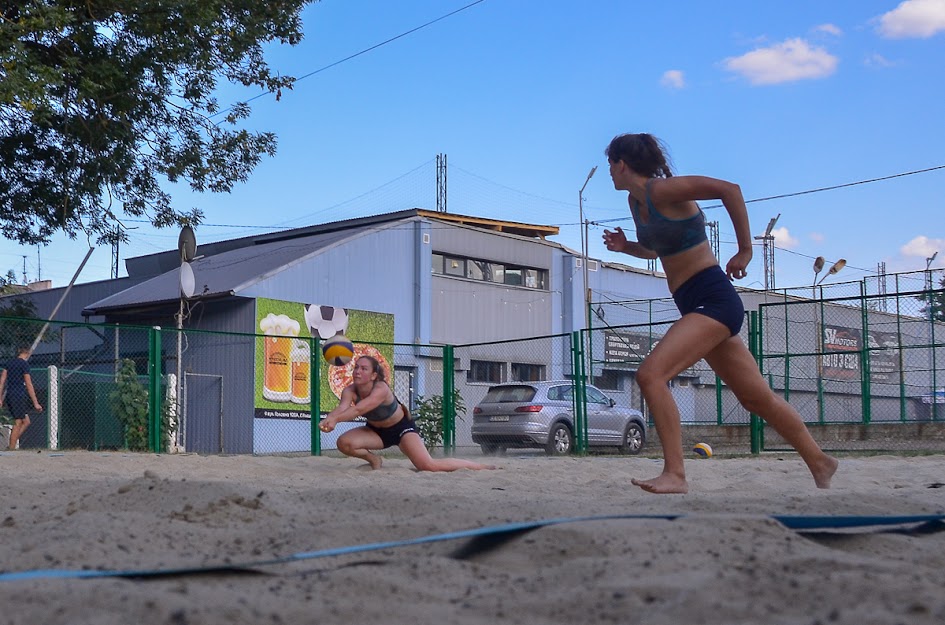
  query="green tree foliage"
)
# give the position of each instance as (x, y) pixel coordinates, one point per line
(19, 331)
(934, 307)
(103, 100)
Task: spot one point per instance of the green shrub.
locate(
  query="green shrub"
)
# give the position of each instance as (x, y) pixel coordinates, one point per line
(429, 417)
(129, 402)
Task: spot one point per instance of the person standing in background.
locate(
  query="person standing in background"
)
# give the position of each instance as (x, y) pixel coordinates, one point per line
(16, 391)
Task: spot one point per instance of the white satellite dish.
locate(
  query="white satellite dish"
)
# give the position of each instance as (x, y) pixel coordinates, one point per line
(187, 281)
(187, 244)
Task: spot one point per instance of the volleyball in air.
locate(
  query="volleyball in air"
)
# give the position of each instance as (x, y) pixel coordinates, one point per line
(703, 450)
(338, 350)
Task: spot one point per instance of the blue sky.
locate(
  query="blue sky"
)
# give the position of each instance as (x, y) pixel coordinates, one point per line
(523, 96)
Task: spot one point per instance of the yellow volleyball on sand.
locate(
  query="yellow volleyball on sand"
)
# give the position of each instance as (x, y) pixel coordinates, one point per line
(338, 350)
(703, 450)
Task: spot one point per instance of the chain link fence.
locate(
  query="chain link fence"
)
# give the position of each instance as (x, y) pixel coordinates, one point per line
(864, 370)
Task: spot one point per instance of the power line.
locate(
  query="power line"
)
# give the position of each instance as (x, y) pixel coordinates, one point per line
(537, 197)
(818, 190)
(364, 51)
(838, 186)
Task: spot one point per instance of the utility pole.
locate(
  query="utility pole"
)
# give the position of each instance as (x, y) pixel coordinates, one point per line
(713, 227)
(881, 274)
(115, 260)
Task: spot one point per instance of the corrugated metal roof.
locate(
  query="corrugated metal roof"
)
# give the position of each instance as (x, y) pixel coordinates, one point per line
(226, 267)
(160, 262)
(223, 274)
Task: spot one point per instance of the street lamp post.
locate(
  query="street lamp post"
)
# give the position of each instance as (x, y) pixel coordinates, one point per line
(834, 268)
(767, 242)
(818, 267)
(584, 245)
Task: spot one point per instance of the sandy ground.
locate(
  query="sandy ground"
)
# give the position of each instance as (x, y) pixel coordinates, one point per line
(725, 561)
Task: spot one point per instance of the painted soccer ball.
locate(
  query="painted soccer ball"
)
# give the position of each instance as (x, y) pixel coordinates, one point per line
(326, 321)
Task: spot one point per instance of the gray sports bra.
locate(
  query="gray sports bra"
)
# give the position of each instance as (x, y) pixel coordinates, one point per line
(382, 412)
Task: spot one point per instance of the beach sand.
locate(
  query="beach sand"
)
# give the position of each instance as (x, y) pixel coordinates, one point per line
(724, 560)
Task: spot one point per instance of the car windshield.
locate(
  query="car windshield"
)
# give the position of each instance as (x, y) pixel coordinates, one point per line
(501, 394)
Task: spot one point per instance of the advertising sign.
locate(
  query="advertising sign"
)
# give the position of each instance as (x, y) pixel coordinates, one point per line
(843, 363)
(627, 347)
(884, 356)
(283, 354)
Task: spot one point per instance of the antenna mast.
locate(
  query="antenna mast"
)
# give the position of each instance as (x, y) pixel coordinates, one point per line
(441, 183)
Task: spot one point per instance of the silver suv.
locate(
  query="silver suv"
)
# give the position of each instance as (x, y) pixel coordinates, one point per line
(540, 414)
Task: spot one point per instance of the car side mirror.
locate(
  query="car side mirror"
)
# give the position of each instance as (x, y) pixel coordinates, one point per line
(612, 402)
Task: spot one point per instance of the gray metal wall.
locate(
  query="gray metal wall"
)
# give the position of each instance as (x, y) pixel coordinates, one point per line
(376, 271)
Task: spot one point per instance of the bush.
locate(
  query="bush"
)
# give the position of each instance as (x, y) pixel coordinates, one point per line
(429, 417)
(129, 402)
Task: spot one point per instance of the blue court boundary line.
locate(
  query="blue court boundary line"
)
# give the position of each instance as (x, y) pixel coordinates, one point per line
(800, 523)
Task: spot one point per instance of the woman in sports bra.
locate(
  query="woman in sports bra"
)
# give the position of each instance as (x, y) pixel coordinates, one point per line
(388, 423)
(670, 226)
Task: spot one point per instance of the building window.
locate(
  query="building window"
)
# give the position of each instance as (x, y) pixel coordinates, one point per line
(609, 380)
(513, 276)
(454, 266)
(489, 271)
(486, 371)
(535, 278)
(484, 270)
(523, 372)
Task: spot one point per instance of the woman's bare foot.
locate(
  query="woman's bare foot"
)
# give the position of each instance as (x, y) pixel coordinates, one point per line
(665, 484)
(824, 470)
(374, 460)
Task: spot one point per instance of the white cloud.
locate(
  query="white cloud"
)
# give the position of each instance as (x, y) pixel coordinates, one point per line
(791, 60)
(829, 29)
(783, 239)
(817, 237)
(877, 60)
(913, 19)
(673, 79)
(922, 247)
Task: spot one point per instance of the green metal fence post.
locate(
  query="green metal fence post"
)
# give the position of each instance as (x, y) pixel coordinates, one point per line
(901, 360)
(154, 388)
(315, 393)
(787, 354)
(449, 404)
(865, 353)
(930, 303)
(718, 400)
(575, 354)
(582, 397)
(579, 392)
(820, 361)
(755, 424)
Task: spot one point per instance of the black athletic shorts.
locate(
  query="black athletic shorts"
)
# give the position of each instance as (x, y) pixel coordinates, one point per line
(391, 436)
(19, 406)
(712, 294)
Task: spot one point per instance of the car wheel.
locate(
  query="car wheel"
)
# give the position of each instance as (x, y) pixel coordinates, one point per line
(492, 449)
(633, 439)
(560, 440)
